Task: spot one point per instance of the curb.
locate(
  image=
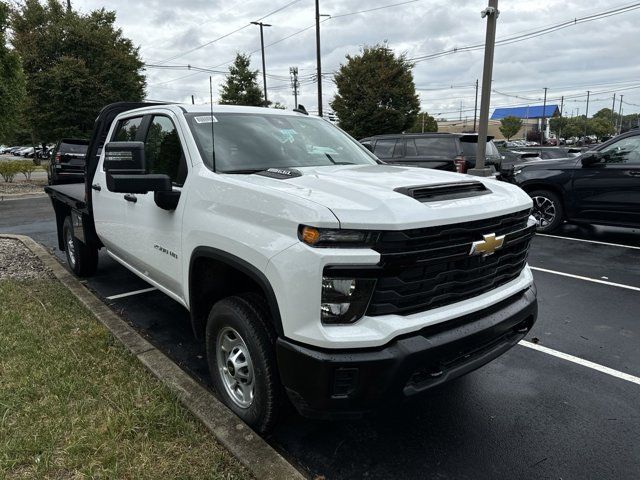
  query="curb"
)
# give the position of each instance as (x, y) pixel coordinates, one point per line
(237, 437)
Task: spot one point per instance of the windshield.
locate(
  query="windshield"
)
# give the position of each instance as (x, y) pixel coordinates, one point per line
(246, 143)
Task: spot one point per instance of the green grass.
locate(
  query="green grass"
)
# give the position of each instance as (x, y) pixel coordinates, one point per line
(75, 404)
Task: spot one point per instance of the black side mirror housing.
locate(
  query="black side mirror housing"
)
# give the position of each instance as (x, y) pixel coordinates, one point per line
(591, 158)
(138, 183)
(125, 157)
(167, 200)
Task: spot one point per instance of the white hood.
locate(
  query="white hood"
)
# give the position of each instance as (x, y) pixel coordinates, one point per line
(363, 196)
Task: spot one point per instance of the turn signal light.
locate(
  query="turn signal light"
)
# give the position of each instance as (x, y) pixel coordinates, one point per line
(310, 235)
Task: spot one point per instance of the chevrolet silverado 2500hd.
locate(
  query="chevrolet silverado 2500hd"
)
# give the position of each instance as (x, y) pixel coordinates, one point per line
(312, 271)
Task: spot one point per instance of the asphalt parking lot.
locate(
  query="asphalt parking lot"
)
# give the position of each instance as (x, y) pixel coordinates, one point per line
(569, 411)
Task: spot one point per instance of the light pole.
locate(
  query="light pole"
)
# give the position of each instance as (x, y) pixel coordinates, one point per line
(264, 68)
(491, 12)
(318, 61)
(586, 114)
(475, 108)
(544, 117)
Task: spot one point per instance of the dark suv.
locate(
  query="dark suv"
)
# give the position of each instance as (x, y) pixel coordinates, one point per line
(67, 161)
(455, 152)
(601, 186)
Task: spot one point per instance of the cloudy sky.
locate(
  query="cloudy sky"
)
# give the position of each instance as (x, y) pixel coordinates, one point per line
(600, 55)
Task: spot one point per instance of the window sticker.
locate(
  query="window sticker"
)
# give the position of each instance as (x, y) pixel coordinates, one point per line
(206, 119)
(287, 135)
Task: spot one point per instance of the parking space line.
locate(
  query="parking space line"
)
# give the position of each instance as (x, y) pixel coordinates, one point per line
(587, 241)
(128, 294)
(582, 361)
(587, 279)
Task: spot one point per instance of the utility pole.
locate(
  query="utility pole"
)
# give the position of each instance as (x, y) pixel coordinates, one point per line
(613, 111)
(264, 68)
(620, 115)
(193, 100)
(423, 115)
(560, 127)
(318, 61)
(68, 6)
(544, 117)
(460, 118)
(475, 108)
(586, 114)
(491, 12)
(294, 84)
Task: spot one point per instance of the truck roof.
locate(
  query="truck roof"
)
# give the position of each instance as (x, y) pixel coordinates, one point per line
(206, 109)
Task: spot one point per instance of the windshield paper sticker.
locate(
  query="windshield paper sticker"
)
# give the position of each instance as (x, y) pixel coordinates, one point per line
(206, 119)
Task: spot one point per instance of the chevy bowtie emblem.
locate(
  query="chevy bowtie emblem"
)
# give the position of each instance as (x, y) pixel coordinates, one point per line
(488, 246)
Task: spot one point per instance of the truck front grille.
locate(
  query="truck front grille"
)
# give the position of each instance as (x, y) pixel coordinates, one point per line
(427, 268)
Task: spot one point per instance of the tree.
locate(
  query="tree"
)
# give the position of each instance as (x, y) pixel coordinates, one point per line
(376, 93)
(510, 126)
(600, 126)
(241, 85)
(424, 120)
(11, 80)
(74, 65)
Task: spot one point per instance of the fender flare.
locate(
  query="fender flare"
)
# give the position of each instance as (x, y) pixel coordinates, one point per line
(244, 267)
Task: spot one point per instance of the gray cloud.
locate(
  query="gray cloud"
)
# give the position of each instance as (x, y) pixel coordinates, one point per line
(587, 56)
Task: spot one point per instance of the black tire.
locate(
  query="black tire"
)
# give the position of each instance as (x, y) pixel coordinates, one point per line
(247, 316)
(82, 259)
(548, 210)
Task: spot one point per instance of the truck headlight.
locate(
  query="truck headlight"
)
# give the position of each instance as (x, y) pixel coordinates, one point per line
(345, 300)
(336, 237)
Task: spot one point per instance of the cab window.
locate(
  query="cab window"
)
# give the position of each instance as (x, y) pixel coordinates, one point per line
(127, 130)
(163, 151)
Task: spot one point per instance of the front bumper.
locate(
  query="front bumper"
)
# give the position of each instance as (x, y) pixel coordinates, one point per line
(348, 383)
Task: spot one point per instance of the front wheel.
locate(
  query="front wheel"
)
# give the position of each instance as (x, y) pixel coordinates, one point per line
(547, 209)
(242, 361)
(82, 259)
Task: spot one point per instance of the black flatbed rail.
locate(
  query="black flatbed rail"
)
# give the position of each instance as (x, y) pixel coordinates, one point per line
(70, 194)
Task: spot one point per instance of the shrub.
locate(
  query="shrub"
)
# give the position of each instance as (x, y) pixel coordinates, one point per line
(26, 167)
(8, 170)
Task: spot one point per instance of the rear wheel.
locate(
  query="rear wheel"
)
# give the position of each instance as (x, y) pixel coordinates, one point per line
(242, 361)
(82, 259)
(547, 209)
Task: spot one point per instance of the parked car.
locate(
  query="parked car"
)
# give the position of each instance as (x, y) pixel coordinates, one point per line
(601, 186)
(67, 161)
(455, 152)
(310, 270)
(550, 153)
(20, 151)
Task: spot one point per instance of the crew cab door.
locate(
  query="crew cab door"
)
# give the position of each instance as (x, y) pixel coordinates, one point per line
(609, 190)
(157, 247)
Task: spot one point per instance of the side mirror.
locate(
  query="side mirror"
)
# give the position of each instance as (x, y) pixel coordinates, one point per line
(124, 157)
(590, 158)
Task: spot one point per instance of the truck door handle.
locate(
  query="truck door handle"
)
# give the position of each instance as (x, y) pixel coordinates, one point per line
(130, 198)
(96, 187)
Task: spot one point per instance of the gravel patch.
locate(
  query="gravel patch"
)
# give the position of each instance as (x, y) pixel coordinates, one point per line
(18, 187)
(18, 263)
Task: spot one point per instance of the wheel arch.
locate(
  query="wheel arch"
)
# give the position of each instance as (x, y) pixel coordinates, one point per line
(215, 274)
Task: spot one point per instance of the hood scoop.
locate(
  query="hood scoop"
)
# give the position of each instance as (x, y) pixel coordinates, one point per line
(280, 173)
(444, 191)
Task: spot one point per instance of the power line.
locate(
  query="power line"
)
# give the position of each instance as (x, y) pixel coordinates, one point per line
(206, 44)
(519, 37)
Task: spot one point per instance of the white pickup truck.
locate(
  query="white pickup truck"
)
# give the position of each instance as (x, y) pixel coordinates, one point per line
(313, 271)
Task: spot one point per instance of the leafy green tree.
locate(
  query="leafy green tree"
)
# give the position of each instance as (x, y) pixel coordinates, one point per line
(74, 65)
(11, 80)
(510, 126)
(241, 84)
(600, 126)
(424, 123)
(376, 93)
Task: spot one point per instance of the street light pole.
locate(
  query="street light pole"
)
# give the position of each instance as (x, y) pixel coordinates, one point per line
(294, 84)
(491, 12)
(475, 108)
(620, 115)
(318, 61)
(264, 68)
(586, 114)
